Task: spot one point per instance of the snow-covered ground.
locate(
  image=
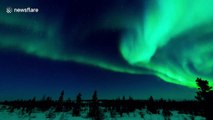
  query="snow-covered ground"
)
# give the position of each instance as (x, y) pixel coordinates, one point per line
(50, 115)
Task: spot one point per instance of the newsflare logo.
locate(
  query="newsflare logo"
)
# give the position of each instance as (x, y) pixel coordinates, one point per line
(9, 10)
(22, 10)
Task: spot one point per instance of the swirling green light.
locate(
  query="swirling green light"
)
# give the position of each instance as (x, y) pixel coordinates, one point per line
(170, 40)
(164, 22)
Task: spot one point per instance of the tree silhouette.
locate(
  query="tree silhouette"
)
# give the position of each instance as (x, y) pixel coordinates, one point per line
(151, 107)
(205, 96)
(61, 98)
(204, 90)
(60, 102)
(94, 111)
(77, 105)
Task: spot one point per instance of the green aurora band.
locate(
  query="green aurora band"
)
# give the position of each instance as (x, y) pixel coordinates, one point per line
(176, 29)
(171, 39)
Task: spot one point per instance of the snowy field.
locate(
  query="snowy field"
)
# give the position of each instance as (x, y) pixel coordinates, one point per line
(5, 114)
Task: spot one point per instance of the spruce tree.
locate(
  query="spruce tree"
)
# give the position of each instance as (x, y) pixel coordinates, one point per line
(205, 97)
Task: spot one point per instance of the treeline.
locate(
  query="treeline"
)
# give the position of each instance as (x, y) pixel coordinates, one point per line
(119, 106)
(96, 108)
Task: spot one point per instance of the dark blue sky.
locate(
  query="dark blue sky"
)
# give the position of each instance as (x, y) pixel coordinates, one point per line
(73, 27)
(24, 76)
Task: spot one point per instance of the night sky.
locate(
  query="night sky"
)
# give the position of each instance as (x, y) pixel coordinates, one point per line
(117, 47)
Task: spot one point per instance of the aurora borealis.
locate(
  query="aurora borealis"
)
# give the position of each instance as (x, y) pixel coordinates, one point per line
(168, 39)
